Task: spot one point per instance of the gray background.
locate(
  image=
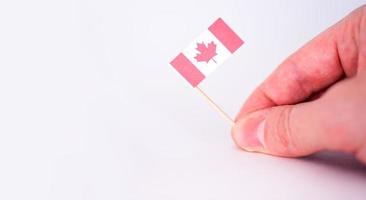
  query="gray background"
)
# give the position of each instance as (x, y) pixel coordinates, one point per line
(91, 109)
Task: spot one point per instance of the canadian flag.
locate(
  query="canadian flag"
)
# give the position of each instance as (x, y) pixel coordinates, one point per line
(208, 51)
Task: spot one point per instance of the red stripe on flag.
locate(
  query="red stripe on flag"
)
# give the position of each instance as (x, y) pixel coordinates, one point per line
(187, 70)
(226, 35)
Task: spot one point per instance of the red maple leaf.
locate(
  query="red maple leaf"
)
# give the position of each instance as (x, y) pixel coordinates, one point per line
(206, 52)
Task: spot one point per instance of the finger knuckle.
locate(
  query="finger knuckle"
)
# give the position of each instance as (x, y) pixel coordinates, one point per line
(281, 135)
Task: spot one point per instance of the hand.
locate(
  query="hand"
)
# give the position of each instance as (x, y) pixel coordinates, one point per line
(315, 100)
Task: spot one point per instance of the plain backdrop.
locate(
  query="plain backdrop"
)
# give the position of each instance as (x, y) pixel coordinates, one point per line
(91, 109)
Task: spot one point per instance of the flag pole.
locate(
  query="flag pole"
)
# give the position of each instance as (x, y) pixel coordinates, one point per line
(216, 107)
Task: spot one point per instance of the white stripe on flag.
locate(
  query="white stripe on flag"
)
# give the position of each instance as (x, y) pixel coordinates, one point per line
(206, 67)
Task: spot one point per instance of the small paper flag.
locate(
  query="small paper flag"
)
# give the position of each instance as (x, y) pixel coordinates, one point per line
(208, 51)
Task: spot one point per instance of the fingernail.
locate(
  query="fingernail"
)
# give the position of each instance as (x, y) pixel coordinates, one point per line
(249, 132)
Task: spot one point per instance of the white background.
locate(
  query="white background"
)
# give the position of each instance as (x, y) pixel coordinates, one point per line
(91, 109)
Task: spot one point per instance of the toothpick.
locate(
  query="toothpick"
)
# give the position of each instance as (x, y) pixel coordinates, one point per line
(216, 107)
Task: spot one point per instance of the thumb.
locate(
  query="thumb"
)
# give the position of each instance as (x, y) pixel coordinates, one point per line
(281, 130)
(335, 121)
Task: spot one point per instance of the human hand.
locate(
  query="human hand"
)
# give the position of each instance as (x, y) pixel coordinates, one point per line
(315, 100)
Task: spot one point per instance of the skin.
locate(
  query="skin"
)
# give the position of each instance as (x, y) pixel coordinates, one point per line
(315, 100)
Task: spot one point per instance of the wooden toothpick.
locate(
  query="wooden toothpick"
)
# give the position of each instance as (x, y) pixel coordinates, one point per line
(216, 107)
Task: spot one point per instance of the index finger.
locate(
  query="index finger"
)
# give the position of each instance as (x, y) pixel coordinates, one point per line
(317, 65)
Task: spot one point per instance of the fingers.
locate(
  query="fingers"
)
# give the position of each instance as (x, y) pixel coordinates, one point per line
(323, 61)
(334, 122)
